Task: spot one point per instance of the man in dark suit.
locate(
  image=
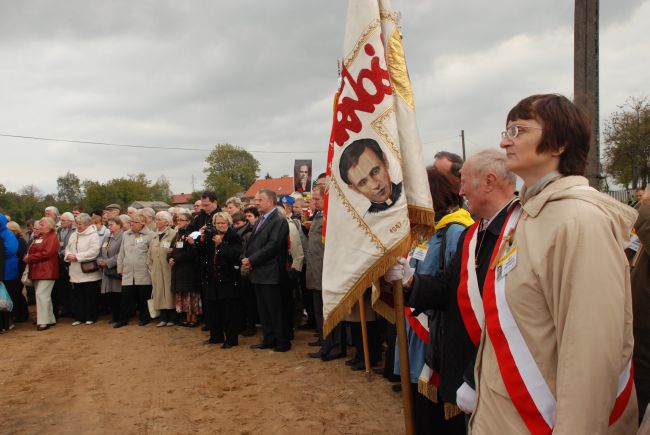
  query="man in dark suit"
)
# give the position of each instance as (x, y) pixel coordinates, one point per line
(266, 257)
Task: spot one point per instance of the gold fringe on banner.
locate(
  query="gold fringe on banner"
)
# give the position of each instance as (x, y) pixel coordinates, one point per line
(421, 216)
(451, 410)
(428, 390)
(373, 273)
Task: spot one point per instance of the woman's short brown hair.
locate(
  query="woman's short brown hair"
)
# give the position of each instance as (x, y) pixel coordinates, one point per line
(564, 125)
(444, 190)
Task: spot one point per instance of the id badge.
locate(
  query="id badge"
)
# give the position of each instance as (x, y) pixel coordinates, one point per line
(179, 245)
(138, 240)
(37, 241)
(166, 245)
(507, 263)
(105, 245)
(420, 252)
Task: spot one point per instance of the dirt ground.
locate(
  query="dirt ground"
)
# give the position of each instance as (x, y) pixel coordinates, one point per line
(147, 380)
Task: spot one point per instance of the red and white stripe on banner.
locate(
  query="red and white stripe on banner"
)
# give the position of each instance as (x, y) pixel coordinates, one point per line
(470, 302)
(528, 390)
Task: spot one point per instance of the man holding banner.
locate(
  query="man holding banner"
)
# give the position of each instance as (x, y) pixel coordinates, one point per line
(377, 182)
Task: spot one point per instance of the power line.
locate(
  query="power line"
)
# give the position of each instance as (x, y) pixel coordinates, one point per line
(16, 136)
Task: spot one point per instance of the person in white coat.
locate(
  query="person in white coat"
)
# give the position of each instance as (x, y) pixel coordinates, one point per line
(81, 252)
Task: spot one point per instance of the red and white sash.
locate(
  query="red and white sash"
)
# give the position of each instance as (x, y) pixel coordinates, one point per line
(470, 302)
(524, 382)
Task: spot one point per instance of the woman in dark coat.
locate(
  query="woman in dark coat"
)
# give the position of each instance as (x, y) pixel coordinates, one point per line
(224, 289)
(185, 273)
(641, 305)
(20, 313)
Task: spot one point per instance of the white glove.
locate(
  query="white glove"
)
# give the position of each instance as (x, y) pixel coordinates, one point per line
(400, 271)
(466, 398)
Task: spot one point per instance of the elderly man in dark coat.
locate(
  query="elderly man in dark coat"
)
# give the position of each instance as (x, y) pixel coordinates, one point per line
(266, 257)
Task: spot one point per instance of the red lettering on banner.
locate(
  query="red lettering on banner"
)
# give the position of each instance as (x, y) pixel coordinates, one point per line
(345, 116)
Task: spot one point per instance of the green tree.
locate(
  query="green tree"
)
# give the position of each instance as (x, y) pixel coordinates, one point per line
(627, 139)
(122, 191)
(161, 190)
(24, 205)
(230, 169)
(69, 188)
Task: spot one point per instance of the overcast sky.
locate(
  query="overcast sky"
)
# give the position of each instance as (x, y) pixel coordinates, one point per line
(261, 75)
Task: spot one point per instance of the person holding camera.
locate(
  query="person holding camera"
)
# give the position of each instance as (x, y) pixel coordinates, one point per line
(223, 296)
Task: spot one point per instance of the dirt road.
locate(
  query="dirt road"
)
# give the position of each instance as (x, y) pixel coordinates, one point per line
(148, 380)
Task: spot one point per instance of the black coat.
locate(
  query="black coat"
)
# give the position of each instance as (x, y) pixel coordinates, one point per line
(185, 272)
(225, 276)
(457, 353)
(267, 250)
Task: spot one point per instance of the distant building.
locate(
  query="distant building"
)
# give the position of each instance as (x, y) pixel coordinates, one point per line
(156, 205)
(182, 200)
(281, 186)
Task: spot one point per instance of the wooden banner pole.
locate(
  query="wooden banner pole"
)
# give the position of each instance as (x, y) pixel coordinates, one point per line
(402, 344)
(364, 335)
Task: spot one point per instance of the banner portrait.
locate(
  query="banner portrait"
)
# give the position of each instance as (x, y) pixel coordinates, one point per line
(377, 183)
(302, 176)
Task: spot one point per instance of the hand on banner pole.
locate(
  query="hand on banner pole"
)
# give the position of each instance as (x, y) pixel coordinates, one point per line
(402, 270)
(466, 398)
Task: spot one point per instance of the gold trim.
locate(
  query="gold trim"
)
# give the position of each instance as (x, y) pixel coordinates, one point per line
(451, 410)
(428, 390)
(360, 222)
(382, 132)
(373, 273)
(399, 75)
(388, 16)
(372, 28)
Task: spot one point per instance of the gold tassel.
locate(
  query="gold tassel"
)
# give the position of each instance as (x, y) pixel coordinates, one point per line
(428, 390)
(451, 410)
(373, 273)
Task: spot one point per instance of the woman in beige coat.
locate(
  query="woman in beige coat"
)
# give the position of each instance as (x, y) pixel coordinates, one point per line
(161, 272)
(555, 352)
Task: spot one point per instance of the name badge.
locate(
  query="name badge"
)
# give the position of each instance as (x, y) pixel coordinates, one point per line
(38, 241)
(179, 245)
(105, 245)
(138, 240)
(61, 243)
(166, 245)
(635, 243)
(420, 252)
(507, 263)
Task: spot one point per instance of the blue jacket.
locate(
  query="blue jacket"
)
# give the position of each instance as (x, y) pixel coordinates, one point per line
(10, 244)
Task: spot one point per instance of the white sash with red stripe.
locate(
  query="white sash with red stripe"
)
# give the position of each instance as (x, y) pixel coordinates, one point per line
(470, 302)
(524, 382)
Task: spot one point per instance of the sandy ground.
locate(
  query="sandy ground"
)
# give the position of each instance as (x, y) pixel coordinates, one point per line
(148, 380)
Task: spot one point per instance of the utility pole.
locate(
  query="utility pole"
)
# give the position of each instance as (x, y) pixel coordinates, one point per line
(585, 77)
(462, 142)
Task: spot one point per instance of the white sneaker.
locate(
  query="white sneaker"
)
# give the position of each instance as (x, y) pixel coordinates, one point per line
(76, 323)
(171, 324)
(89, 322)
(161, 324)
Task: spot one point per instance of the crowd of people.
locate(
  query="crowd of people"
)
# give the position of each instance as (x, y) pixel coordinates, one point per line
(527, 297)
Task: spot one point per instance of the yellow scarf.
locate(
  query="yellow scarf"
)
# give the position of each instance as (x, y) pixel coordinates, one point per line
(460, 216)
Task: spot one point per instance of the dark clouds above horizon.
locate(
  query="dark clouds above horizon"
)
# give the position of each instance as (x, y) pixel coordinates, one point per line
(261, 75)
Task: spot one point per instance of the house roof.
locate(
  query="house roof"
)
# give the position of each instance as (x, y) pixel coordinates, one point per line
(281, 186)
(156, 205)
(181, 198)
